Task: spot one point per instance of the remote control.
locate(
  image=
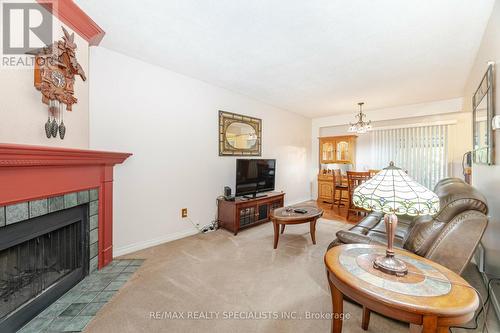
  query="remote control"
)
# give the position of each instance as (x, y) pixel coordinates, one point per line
(300, 211)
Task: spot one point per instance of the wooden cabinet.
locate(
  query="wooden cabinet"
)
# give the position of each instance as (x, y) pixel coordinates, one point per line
(337, 149)
(243, 213)
(334, 150)
(325, 189)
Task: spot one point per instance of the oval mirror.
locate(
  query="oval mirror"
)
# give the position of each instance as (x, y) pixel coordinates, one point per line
(241, 135)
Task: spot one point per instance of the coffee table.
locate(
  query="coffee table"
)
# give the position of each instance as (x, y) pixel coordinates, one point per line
(431, 297)
(283, 217)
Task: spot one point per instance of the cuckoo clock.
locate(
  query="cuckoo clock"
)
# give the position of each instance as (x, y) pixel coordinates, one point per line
(55, 70)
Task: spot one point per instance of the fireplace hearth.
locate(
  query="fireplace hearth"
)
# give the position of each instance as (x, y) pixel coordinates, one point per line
(40, 259)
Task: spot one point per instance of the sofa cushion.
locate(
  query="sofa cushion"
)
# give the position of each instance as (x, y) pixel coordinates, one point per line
(373, 226)
(368, 223)
(402, 231)
(424, 232)
(378, 237)
(457, 197)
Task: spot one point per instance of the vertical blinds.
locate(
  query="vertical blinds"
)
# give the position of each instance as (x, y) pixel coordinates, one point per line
(422, 151)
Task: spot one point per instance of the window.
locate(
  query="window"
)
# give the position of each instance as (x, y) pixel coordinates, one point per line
(422, 151)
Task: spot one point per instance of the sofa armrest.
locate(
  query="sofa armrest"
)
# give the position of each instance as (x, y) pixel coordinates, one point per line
(348, 237)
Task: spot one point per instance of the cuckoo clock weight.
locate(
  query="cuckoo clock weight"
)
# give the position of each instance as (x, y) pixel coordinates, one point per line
(55, 70)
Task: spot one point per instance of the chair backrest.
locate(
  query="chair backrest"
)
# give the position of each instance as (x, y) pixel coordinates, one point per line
(337, 177)
(356, 178)
(373, 172)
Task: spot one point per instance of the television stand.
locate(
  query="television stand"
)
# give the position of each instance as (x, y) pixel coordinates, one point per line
(244, 213)
(255, 196)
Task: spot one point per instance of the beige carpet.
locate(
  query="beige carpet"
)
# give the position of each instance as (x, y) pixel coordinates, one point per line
(224, 274)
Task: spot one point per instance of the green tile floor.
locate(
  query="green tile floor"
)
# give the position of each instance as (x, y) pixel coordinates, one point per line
(75, 309)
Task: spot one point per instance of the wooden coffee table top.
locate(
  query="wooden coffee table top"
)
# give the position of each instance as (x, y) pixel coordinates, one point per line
(281, 215)
(428, 289)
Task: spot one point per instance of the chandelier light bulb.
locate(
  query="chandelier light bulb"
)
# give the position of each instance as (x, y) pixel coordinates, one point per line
(360, 126)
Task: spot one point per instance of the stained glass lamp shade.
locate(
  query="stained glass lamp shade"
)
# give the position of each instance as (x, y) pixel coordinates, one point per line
(393, 192)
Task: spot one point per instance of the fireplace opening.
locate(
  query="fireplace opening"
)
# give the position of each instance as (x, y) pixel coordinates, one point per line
(40, 259)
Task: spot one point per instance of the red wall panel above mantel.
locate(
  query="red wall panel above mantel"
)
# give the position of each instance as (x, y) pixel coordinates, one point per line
(73, 16)
(33, 172)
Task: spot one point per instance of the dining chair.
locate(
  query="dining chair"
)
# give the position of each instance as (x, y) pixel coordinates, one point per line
(338, 185)
(354, 179)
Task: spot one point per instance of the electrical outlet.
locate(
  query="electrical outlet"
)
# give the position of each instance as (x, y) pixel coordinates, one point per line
(184, 212)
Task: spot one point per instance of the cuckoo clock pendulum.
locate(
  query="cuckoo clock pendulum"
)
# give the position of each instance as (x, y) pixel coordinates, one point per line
(55, 70)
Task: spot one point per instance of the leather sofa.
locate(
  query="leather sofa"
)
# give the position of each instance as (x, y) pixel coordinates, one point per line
(448, 238)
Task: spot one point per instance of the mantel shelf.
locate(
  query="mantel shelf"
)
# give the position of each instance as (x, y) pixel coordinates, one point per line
(12, 155)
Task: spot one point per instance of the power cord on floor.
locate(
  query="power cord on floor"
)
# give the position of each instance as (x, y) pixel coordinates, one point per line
(484, 308)
(458, 283)
(213, 225)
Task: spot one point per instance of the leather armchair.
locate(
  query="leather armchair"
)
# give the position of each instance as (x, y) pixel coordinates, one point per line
(448, 238)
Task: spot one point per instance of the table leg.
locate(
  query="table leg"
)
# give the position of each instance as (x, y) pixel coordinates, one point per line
(337, 307)
(340, 199)
(429, 324)
(283, 228)
(276, 233)
(366, 318)
(312, 229)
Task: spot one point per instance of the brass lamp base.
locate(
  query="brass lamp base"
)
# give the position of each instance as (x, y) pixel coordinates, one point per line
(390, 265)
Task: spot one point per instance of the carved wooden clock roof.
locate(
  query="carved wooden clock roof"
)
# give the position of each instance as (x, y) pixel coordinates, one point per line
(55, 69)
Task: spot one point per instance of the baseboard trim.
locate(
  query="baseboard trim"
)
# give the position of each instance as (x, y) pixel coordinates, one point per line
(295, 202)
(152, 242)
(166, 238)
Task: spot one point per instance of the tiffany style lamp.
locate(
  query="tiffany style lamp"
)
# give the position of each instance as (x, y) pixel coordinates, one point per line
(393, 192)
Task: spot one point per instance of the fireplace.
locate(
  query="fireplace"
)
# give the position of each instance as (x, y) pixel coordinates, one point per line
(56, 224)
(32, 172)
(40, 259)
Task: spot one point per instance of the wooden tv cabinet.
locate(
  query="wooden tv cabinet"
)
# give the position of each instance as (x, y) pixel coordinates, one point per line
(244, 213)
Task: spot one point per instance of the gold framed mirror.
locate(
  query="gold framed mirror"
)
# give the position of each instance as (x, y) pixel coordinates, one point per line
(483, 111)
(239, 135)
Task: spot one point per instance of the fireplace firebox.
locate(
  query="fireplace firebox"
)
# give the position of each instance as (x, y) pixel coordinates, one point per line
(40, 259)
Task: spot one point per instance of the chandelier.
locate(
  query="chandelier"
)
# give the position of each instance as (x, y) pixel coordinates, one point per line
(361, 126)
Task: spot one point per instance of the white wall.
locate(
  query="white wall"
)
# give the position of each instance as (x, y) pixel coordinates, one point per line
(23, 115)
(382, 117)
(487, 178)
(170, 123)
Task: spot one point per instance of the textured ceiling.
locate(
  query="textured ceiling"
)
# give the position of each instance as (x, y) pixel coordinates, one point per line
(315, 57)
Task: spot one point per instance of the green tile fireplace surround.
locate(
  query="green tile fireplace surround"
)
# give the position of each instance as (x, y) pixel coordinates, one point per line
(20, 212)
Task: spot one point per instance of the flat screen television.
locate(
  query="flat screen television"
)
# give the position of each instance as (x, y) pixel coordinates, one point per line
(254, 176)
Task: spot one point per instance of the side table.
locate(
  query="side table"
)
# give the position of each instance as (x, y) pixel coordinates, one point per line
(430, 297)
(283, 217)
